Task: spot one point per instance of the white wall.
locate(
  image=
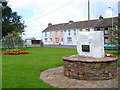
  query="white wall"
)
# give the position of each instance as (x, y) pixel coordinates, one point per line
(48, 37)
(28, 42)
(74, 37)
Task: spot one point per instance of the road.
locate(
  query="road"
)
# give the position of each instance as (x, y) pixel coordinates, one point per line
(58, 46)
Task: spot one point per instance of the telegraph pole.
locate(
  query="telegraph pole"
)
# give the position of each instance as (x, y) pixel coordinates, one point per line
(88, 15)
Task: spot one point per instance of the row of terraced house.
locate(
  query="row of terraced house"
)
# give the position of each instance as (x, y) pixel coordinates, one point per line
(66, 33)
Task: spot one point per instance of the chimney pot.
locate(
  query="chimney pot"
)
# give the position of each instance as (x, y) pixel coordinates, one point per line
(49, 24)
(100, 17)
(70, 21)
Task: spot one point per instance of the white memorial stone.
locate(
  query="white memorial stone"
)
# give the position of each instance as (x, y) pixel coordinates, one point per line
(91, 44)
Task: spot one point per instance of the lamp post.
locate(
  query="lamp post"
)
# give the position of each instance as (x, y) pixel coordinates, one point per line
(112, 16)
(0, 22)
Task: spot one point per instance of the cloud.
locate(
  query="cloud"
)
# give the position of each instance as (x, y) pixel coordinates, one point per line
(23, 4)
(59, 16)
(108, 13)
(76, 11)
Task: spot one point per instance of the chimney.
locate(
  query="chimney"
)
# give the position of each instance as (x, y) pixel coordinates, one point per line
(70, 21)
(100, 17)
(49, 24)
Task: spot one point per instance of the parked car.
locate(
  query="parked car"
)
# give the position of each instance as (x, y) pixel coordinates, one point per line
(110, 47)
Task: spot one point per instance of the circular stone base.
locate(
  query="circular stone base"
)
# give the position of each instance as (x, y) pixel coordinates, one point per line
(89, 68)
(56, 78)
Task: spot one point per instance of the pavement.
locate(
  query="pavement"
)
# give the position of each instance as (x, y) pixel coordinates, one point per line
(56, 46)
(55, 77)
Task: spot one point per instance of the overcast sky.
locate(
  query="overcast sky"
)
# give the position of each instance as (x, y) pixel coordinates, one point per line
(38, 13)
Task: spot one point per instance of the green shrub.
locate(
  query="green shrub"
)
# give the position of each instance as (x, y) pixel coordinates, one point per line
(12, 41)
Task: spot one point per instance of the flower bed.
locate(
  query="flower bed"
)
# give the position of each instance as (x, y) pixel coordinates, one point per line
(14, 52)
(109, 55)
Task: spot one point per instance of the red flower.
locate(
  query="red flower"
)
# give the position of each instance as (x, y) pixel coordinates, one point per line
(109, 55)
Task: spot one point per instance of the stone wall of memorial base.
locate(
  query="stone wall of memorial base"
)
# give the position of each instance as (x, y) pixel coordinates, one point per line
(85, 70)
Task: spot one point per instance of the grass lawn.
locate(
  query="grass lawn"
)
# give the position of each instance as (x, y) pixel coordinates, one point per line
(115, 53)
(23, 71)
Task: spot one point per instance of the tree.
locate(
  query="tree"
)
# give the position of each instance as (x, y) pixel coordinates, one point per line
(119, 34)
(12, 41)
(116, 36)
(11, 21)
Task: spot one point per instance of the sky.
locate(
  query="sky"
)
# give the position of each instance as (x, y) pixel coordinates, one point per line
(38, 13)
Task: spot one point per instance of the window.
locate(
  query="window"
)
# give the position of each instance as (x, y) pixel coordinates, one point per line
(61, 39)
(106, 40)
(74, 32)
(87, 29)
(61, 32)
(45, 34)
(45, 39)
(68, 32)
(50, 33)
(80, 30)
(56, 32)
(57, 40)
(69, 39)
(51, 39)
(98, 29)
(106, 31)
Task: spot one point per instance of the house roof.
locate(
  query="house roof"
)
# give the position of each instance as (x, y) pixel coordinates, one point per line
(105, 22)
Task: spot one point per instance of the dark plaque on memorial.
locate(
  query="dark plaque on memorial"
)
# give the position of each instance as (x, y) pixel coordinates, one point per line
(85, 48)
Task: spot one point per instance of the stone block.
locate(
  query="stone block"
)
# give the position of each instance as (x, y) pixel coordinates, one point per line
(92, 42)
(97, 65)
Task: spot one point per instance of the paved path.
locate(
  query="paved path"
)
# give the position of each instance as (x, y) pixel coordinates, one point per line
(55, 77)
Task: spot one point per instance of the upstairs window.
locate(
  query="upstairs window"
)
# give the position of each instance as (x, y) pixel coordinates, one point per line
(74, 32)
(45, 34)
(56, 33)
(50, 33)
(61, 32)
(98, 29)
(87, 29)
(80, 29)
(68, 32)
